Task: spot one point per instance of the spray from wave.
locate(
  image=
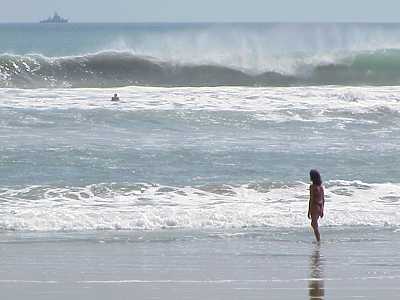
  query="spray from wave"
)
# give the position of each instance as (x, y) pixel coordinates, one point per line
(115, 69)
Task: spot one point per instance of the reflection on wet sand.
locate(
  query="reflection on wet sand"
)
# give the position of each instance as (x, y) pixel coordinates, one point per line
(316, 281)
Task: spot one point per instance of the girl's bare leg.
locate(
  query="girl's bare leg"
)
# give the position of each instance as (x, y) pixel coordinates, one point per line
(314, 225)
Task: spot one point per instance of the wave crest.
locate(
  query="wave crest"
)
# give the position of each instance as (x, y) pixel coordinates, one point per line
(114, 69)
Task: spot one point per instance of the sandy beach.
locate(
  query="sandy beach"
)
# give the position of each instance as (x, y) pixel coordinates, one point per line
(349, 264)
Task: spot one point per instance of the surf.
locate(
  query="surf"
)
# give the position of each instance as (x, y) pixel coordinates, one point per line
(149, 206)
(119, 69)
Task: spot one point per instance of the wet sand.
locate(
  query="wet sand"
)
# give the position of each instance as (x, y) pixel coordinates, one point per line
(360, 263)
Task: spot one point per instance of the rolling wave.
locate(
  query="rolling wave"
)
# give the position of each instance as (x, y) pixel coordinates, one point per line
(116, 69)
(144, 206)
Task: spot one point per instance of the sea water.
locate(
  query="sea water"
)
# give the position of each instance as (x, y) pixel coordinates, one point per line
(196, 158)
(231, 150)
(214, 135)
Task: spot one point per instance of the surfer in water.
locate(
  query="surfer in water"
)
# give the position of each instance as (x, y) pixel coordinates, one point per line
(317, 201)
(115, 98)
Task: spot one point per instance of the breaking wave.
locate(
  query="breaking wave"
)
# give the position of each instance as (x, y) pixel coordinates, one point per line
(153, 207)
(116, 69)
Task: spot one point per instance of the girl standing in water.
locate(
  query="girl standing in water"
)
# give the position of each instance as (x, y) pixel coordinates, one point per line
(317, 201)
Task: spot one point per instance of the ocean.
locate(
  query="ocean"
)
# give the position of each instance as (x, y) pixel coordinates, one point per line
(195, 184)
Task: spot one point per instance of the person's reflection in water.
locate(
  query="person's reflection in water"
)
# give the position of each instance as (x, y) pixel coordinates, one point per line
(316, 281)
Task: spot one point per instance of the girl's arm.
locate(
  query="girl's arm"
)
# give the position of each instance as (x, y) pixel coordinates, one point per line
(323, 202)
(309, 202)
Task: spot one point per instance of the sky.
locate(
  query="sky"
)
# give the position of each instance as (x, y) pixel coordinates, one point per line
(203, 10)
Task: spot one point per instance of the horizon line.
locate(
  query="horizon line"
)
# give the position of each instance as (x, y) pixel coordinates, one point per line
(204, 22)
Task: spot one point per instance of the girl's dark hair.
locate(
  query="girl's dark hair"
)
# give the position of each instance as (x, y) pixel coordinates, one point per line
(315, 177)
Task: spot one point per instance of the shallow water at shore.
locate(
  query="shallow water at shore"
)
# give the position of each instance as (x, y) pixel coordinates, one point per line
(273, 264)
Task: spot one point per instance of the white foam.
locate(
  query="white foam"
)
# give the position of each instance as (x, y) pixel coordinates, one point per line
(149, 207)
(315, 100)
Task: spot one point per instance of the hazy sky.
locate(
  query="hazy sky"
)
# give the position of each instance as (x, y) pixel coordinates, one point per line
(203, 10)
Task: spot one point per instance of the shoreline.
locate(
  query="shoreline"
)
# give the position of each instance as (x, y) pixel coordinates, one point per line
(273, 265)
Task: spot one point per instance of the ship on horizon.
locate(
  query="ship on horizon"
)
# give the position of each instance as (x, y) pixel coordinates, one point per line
(55, 19)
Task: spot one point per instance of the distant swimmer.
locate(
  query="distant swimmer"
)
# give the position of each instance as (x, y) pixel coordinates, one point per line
(317, 201)
(115, 98)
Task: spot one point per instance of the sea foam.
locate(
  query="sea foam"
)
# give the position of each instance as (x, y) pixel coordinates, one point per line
(153, 207)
